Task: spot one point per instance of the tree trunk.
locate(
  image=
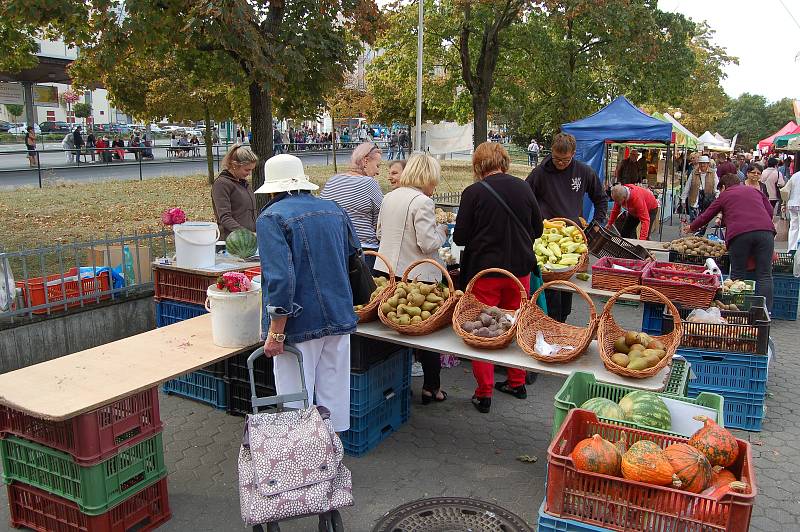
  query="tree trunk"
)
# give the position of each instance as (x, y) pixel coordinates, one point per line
(480, 112)
(209, 145)
(261, 127)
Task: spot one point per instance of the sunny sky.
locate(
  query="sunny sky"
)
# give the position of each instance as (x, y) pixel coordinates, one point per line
(762, 34)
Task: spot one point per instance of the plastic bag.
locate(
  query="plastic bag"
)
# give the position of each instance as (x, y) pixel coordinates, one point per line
(796, 265)
(547, 349)
(711, 315)
(713, 269)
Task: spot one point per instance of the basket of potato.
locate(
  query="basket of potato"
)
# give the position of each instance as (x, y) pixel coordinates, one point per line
(482, 326)
(561, 250)
(634, 354)
(417, 308)
(369, 311)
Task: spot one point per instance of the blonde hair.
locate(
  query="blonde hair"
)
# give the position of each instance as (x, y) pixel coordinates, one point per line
(238, 154)
(422, 171)
(360, 153)
(489, 157)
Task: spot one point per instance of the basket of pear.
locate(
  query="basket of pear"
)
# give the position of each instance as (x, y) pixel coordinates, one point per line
(635, 354)
(561, 250)
(369, 311)
(487, 327)
(417, 308)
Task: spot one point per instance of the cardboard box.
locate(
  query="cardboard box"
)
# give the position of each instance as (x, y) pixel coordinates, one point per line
(113, 256)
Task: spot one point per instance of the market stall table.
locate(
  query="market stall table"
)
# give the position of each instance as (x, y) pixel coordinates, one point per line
(446, 341)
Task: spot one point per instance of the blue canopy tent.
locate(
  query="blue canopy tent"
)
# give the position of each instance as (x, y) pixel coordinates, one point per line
(620, 121)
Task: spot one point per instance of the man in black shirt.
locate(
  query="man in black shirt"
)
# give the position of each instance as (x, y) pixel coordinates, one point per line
(559, 184)
(631, 171)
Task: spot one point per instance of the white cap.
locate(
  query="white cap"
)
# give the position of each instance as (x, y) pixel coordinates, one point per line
(704, 159)
(283, 173)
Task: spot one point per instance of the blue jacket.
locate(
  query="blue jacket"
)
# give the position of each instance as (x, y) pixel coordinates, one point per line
(304, 248)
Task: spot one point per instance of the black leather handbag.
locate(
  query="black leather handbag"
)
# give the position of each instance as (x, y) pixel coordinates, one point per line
(361, 282)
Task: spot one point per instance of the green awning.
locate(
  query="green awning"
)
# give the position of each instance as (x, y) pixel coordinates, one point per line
(783, 140)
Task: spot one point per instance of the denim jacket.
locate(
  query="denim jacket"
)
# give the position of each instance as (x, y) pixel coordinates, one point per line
(304, 247)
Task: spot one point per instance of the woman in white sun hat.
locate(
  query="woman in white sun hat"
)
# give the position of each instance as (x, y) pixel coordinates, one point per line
(304, 245)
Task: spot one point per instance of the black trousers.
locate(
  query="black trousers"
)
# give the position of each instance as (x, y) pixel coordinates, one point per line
(760, 245)
(627, 228)
(432, 370)
(559, 304)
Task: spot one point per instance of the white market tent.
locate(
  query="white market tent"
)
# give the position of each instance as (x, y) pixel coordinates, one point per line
(711, 142)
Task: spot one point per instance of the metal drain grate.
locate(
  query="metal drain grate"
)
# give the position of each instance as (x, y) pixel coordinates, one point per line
(450, 514)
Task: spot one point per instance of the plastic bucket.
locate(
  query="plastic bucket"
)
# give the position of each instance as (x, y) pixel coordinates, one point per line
(195, 244)
(235, 317)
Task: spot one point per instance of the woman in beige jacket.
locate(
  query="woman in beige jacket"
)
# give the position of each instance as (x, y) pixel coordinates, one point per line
(407, 231)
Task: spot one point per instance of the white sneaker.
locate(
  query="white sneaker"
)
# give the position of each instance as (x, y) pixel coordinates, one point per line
(416, 369)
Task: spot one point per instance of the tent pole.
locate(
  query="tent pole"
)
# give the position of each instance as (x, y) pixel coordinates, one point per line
(664, 193)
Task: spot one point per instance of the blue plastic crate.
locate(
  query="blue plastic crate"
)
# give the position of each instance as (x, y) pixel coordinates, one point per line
(742, 410)
(549, 523)
(652, 318)
(199, 386)
(786, 286)
(368, 430)
(169, 312)
(784, 308)
(720, 372)
(372, 387)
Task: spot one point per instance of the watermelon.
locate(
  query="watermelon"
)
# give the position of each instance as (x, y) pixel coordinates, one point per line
(605, 408)
(645, 408)
(241, 243)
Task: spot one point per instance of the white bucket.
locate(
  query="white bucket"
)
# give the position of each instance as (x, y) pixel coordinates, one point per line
(235, 317)
(195, 244)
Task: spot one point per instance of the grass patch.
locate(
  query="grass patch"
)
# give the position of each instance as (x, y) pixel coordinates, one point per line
(63, 213)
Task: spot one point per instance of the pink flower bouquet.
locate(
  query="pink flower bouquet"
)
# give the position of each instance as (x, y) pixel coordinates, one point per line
(173, 216)
(234, 282)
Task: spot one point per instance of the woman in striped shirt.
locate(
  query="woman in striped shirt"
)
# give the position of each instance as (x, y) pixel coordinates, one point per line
(359, 194)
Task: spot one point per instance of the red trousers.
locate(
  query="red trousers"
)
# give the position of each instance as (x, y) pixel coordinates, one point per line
(499, 292)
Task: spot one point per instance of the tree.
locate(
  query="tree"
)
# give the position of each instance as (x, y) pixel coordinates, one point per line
(16, 44)
(15, 110)
(82, 110)
(753, 119)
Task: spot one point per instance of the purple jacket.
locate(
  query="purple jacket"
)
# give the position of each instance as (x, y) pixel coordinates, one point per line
(744, 209)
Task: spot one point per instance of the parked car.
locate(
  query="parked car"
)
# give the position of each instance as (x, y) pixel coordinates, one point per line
(5, 126)
(21, 129)
(56, 127)
(173, 129)
(155, 128)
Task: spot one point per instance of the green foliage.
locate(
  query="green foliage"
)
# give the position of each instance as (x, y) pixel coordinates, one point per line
(82, 110)
(16, 45)
(753, 118)
(15, 109)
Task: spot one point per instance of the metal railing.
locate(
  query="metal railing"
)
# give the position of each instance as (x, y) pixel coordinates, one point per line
(41, 281)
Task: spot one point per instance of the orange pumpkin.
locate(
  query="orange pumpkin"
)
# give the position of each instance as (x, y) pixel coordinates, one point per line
(690, 465)
(597, 456)
(711, 511)
(721, 477)
(645, 462)
(719, 445)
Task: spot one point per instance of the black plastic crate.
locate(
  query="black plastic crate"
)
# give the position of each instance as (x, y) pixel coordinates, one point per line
(366, 352)
(603, 243)
(784, 264)
(723, 261)
(236, 369)
(238, 396)
(747, 331)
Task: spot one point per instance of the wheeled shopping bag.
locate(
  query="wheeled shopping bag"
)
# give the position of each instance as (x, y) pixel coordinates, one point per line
(290, 461)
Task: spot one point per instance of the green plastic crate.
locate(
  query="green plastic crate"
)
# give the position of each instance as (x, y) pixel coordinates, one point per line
(581, 386)
(678, 380)
(95, 489)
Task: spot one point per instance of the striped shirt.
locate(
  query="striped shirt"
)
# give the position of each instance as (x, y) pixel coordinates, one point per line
(360, 197)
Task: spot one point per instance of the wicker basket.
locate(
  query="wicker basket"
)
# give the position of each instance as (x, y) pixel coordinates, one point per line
(565, 275)
(434, 323)
(534, 320)
(606, 277)
(369, 312)
(469, 308)
(608, 330)
(697, 294)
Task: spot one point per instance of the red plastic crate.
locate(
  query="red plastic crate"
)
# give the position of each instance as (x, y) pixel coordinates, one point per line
(606, 277)
(182, 286)
(696, 294)
(94, 436)
(677, 266)
(39, 290)
(38, 510)
(252, 273)
(625, 505)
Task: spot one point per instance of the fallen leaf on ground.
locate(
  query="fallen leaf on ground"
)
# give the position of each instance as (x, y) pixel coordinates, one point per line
(527, 458)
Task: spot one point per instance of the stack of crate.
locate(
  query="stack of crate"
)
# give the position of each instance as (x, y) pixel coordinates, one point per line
(380, 393)
(785, 287)
(181, 295)
(99, 471)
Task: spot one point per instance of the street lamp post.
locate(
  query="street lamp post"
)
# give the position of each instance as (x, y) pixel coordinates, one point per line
(418, 136)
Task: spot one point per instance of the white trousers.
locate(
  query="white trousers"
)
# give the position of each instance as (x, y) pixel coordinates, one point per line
(326, 364)
(794, 227)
